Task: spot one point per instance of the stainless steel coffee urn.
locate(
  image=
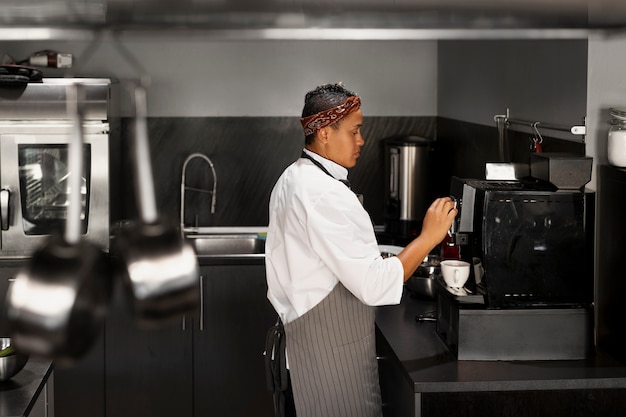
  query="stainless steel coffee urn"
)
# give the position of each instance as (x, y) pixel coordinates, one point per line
(407, 185)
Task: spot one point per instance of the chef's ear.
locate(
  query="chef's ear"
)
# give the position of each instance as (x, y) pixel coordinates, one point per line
(322, 134)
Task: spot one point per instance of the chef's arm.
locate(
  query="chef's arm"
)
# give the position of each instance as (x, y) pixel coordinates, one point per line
(435, 226)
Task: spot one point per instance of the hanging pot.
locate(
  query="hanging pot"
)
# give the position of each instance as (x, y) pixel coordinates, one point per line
(56, 305)
(158, 267)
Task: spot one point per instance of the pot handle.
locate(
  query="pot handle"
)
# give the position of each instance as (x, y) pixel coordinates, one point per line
(143, 166)
(75, 165)
(5, 195)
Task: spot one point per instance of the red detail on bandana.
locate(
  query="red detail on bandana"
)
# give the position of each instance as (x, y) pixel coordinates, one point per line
(312, 123)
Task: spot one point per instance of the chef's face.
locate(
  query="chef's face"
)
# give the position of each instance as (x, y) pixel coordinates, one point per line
(344, 141)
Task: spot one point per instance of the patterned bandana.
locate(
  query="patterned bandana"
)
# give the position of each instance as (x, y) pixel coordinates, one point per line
(327, 117)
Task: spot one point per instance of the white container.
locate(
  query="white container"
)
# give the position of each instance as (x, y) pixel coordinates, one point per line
(616, 147)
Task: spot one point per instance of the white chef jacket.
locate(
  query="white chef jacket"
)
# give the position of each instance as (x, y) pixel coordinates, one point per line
(319, 234)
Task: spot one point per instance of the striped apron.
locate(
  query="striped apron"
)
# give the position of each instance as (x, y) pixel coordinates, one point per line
(332, 359)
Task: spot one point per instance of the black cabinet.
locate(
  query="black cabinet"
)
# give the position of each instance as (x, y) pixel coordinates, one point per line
(396, 388)
(148, 371)
(611, 248)
(79, 388)
(6, 274)
(229, 338)
(208, 365)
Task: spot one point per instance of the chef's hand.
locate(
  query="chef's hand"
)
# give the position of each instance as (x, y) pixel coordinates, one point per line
(435, 226)
(438, 219)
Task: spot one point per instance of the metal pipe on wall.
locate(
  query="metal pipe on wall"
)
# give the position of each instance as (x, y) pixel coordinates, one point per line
(577, 130)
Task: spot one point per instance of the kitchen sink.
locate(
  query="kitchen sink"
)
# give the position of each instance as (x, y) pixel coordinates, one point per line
(227, 244)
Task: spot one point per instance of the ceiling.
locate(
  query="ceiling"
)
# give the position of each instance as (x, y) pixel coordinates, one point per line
(313, 18)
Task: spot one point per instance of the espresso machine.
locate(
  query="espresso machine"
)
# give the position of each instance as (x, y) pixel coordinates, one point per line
(535, 243)
(531, 286)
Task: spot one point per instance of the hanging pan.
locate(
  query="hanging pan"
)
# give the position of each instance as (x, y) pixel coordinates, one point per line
(159, 269)
(56, 305)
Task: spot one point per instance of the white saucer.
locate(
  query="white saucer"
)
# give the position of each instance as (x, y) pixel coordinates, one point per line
(459, 291)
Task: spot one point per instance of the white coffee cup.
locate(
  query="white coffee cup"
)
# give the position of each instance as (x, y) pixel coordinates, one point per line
(455, 273)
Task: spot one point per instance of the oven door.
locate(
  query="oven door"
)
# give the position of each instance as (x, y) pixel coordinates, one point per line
(34, 187)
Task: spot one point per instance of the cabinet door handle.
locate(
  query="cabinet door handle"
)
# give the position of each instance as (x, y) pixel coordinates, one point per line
(5, 193)
(201, 302)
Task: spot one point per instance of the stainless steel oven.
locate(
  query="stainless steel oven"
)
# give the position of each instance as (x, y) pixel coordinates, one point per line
(34, 137)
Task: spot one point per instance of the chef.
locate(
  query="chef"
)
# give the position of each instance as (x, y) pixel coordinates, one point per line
(325, 271)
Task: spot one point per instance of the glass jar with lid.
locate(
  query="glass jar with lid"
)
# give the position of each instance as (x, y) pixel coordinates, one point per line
(616, 147)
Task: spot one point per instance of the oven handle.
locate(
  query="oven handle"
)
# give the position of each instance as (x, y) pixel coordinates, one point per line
(5, 194)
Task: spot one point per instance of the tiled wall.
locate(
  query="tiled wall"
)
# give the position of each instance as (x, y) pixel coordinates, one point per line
(249, 153)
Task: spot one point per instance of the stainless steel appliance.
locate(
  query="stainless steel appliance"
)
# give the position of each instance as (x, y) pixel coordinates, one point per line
(534, 242)
(35, 131)
(407, 185)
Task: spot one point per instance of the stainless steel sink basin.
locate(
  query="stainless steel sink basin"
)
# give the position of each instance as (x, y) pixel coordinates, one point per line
(228, 244)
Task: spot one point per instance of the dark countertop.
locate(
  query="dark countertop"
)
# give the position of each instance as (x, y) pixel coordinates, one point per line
(433, 368)
(19, 394)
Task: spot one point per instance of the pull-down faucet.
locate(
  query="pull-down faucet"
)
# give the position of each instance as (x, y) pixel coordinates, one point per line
(183, 187)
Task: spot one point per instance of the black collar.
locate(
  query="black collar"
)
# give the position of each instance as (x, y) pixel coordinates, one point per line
(320, 166)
